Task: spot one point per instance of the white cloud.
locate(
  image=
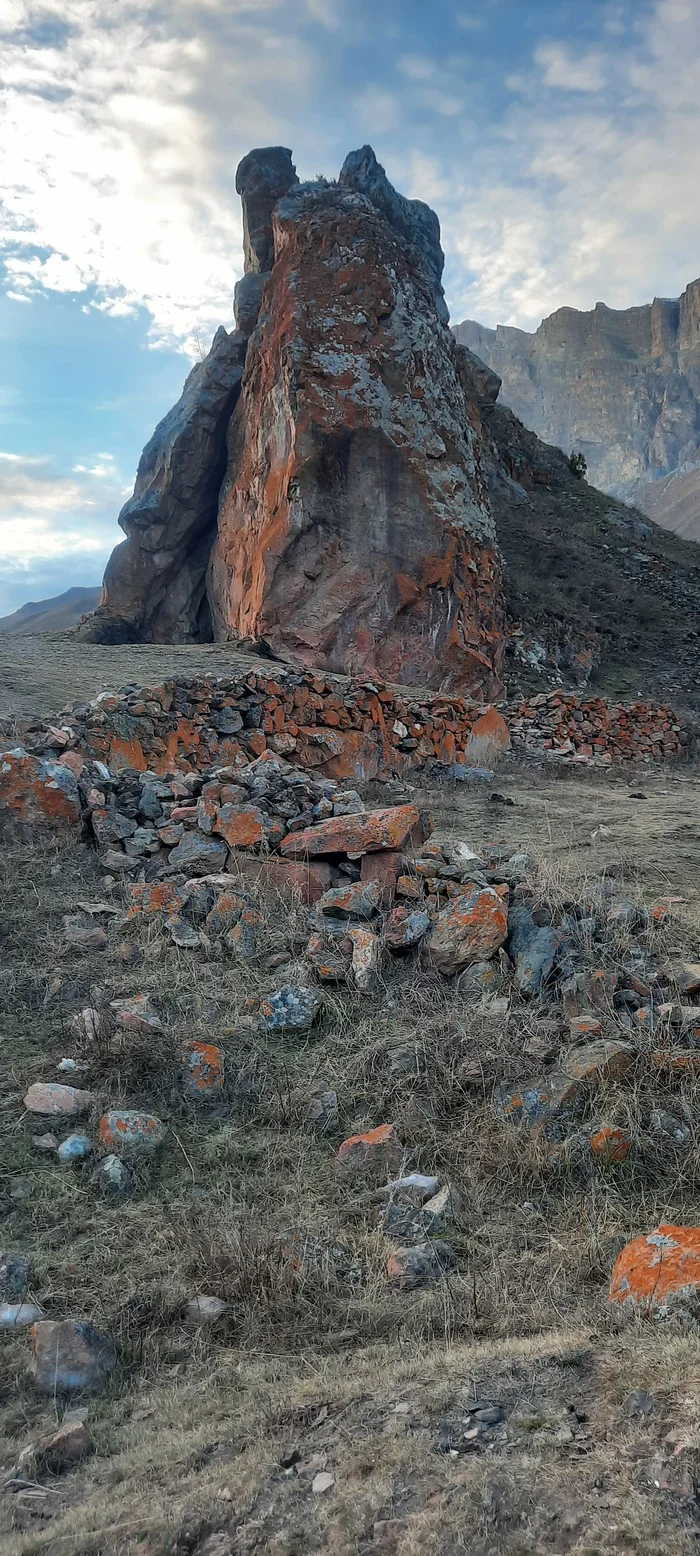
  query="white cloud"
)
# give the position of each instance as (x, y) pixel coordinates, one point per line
(571, 72)
(46, 515)
(120, 142)
(584, 196)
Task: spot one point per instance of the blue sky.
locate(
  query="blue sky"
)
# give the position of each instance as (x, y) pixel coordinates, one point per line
(559, 143)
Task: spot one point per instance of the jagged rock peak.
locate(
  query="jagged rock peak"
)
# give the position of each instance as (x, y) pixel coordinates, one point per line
(319, 487)
(262, 177)
(416, 223)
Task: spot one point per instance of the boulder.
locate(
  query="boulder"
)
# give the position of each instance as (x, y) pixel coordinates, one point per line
(658, 1274)
(470, 928)
(374, 830)
(204, 1072)
(35, 791)
(404, 928)
(291, 1009)
(371, 1156)
(131, 1132)
(70, 1356)
(420, 1265)
(55, 1101)
(359, 899)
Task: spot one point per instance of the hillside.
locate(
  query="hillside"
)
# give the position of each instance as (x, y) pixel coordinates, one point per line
(275, 1386)
(621, 385)
(58, 614)
(597, 589)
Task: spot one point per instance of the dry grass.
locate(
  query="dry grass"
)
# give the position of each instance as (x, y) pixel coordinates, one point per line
(246, 1204)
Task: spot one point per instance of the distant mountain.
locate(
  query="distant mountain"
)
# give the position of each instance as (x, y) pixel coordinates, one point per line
(56, 615)
(621, 385)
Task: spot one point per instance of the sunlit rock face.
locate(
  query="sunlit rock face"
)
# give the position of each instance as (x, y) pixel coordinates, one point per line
(352, 528)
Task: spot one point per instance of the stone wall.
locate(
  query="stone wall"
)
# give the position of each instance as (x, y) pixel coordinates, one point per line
(590, 731)
(347, 730)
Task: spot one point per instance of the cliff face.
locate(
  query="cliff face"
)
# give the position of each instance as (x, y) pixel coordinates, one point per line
(328, 499)
(621, 386)
(595, 592)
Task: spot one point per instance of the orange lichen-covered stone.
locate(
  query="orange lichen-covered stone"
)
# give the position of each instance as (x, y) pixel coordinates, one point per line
(36, 790)
(470, 929)
(660, 1272)
(409, 887)
(384, 867)
(148, 899)
(368, 832)
(610, 1144)
(204, 1071)
(241, 826)
(601, 1061)
(584, 1027)
(131, 1132)
(600, 988)
(374, 1154)
(676, 1062)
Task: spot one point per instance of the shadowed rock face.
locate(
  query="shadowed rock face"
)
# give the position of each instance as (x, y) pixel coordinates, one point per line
(353, 529)
(154, 583)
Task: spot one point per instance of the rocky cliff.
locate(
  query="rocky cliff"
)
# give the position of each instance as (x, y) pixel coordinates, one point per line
(623, 386)
(318, 486)
(596, 593)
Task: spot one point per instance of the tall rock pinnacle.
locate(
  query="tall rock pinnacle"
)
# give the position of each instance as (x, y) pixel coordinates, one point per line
(353, 529)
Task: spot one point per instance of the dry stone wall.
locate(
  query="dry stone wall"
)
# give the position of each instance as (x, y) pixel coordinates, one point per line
(347, 731)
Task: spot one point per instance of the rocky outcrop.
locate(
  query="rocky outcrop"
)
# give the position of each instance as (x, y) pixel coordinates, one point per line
(353, 529)
(622, 386)
(154, 586)
(595, 592)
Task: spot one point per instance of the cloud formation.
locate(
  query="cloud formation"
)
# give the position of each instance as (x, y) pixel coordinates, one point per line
(123, 125)
(54, 527)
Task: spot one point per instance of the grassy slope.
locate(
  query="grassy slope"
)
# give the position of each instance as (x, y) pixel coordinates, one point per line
(318, 1355)
(577, 556)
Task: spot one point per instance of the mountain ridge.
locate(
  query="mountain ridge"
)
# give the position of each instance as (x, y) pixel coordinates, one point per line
(620, 385)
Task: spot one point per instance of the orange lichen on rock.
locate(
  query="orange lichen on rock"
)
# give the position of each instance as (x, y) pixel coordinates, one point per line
(204, 1071)
(376, 1153)
(148, 899)
(368, 832)
(241, 826)
(470, 929)
(131, 1131)
(610, 1144)
(660, 1271)
(36, 789)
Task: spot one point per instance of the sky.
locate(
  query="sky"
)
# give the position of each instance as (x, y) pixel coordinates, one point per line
(559, 142)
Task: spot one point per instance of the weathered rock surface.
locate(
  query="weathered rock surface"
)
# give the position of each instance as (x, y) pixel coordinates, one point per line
(335, 433)
(154, 583)
(69, 1355)
(659, 1273)
(621, 385)
(353, 526)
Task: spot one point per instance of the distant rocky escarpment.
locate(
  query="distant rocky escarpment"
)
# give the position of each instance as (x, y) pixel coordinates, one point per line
(318, 487)
(621, 386)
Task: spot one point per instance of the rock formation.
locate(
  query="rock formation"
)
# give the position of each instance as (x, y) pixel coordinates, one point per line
(623, 386)
(334, 435)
